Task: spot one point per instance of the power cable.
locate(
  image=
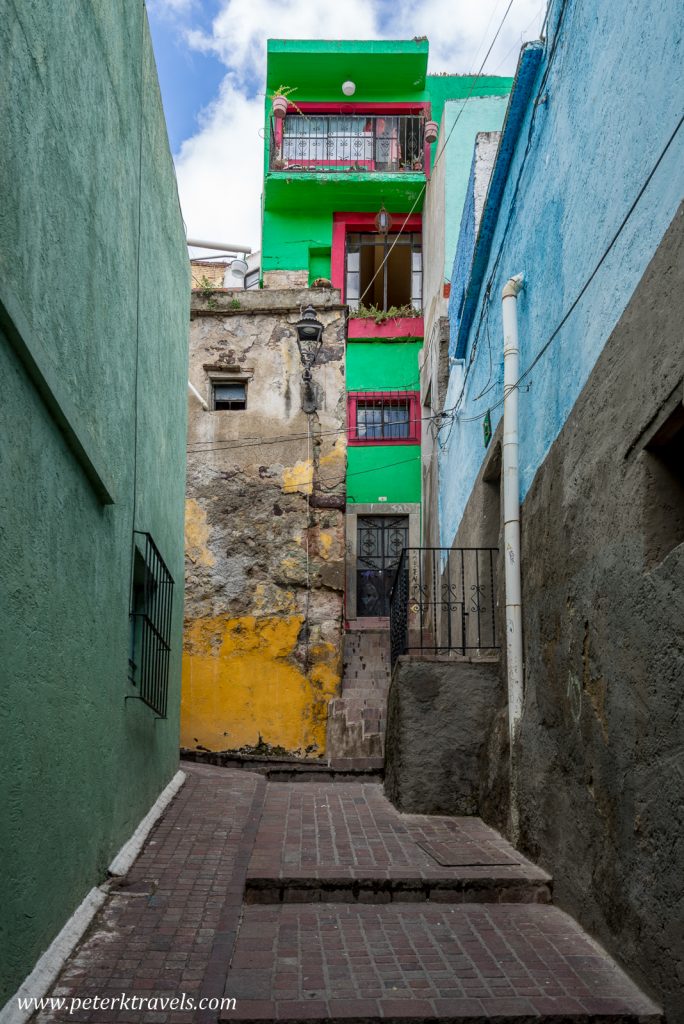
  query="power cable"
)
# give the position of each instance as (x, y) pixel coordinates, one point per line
(441, 150)
(573, 305)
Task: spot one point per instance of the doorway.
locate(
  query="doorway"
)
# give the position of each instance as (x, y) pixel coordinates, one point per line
(380, 541)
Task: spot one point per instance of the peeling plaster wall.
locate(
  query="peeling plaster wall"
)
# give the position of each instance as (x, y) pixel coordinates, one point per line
(264, 518)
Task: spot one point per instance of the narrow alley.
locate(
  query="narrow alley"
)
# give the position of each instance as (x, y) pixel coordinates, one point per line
(318, 901)
(342, 512)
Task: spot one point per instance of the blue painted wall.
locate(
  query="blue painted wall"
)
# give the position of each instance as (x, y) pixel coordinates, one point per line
(461, 125)
(581, 157)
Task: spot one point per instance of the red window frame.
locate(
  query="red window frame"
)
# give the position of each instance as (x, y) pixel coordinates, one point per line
(354, 398)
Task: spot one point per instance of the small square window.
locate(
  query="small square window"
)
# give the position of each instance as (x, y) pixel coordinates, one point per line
(229, 394)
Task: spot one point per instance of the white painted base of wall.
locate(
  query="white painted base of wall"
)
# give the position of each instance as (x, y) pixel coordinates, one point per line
(130, 850)
(46, 970)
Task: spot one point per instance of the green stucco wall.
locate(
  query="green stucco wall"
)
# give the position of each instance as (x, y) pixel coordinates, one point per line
(383, 365)
(93, 270)
(384, 471)
(298, 207)
(390, 471)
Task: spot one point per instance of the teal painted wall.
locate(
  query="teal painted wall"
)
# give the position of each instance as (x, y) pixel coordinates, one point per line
(83, 225)
(483, 114)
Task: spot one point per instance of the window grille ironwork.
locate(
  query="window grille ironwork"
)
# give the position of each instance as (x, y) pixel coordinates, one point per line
(442, 600)
(384, 270)
(151, 616)
(355, 142)
(380, 540)
(384, 417)
(379, 418)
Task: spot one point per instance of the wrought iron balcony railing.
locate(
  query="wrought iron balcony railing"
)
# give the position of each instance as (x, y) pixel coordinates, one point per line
(358, 142)
(442, 600)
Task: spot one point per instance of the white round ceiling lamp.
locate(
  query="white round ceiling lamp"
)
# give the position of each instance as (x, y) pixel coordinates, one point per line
(349, 88)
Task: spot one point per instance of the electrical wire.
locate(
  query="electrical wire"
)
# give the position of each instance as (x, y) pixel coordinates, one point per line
(573, 305)
(228, 445)
(484, 305)
(440, 151)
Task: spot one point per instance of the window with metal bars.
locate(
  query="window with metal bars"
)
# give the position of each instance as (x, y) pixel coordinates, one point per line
(384, 270)
(151, 616)
(384, 417)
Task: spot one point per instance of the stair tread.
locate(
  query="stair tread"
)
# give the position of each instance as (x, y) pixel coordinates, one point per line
(418, 962)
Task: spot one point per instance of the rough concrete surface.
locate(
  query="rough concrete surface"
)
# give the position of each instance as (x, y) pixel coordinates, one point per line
(602, 740)
(441, 713)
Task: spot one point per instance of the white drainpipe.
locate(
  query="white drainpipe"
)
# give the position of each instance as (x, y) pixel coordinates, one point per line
(198, 396)
(514, 644)
(200, 243)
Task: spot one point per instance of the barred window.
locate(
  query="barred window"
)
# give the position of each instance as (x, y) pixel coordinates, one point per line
(384, 417)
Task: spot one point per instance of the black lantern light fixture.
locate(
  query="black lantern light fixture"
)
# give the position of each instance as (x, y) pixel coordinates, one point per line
(309, 339)
(383, 221)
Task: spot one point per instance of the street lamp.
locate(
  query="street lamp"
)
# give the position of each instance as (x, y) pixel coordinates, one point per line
(383, 221)
(309, 340)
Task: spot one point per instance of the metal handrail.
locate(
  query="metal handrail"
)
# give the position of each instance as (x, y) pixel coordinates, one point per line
(444, 600)
(372, 143)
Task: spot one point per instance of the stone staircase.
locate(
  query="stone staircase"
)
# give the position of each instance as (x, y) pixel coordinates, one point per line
(356, 913)
(357, 718)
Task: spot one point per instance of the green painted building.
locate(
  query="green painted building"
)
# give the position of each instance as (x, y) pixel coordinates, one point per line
(349, 154)
(94, 298)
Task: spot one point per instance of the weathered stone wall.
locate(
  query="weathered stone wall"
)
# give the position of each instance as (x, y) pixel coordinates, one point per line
(602, 740)
(441, 718)
(277, 279)
(209, 273)
(264, 528)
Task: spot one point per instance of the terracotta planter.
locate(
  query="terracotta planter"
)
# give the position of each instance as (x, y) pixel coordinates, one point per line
(431, 131)
(279, 107)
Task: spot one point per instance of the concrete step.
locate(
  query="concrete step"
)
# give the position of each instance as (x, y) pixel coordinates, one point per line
(365, 851)
(425, 962)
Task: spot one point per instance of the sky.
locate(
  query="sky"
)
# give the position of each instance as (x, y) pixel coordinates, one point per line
(211, 60)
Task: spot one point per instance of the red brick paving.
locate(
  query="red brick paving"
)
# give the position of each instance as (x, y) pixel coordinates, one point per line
(170, 928)
(424, 961)
(177, 923)
(340, 834)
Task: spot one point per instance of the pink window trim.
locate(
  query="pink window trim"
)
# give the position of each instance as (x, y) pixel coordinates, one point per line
(344, 222)
(413, 398)
(402, 327)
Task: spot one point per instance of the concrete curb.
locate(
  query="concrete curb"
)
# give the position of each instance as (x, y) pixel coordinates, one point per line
(130, 850)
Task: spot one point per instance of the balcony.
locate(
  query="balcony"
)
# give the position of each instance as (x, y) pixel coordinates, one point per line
(363, 143)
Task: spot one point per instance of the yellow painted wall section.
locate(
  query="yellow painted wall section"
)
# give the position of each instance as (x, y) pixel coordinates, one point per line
(197, 534)
(242, 684)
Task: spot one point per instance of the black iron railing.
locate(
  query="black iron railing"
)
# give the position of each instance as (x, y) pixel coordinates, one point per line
(442, 600)
(358, 142)
(152, 606)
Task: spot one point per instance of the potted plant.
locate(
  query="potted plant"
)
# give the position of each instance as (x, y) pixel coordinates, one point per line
(279, 100)
(430, 132)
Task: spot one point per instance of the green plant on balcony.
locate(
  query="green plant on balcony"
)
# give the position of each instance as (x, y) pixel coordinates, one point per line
(380, 316)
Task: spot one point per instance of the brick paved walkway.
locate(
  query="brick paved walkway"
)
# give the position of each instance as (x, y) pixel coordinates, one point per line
(346, 841)
(177, 924)
(171, 926)
(421, 962)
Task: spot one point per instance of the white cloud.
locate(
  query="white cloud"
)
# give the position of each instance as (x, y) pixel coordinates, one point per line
(220, 168)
